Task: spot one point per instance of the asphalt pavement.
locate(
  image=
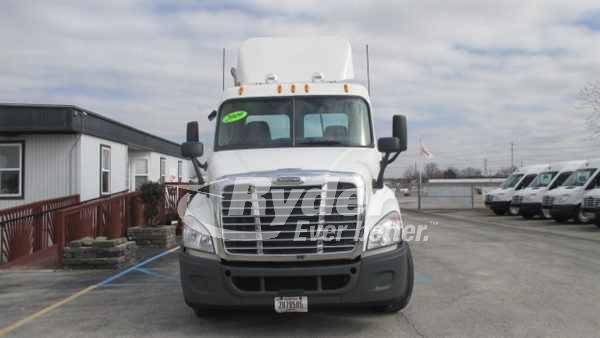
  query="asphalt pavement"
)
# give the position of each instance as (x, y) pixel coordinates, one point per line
(475, 277)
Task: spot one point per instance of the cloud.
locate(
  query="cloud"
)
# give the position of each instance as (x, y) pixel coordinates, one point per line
(471, 76)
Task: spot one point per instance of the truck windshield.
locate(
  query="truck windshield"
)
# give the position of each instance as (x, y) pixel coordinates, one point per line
(543, 179)
(579, 178)
(338, 121)
(511, 181)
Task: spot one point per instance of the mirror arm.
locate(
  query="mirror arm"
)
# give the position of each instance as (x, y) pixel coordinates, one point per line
(385, 161)
(197, 166)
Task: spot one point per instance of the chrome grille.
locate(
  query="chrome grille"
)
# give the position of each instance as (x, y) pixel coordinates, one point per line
(591, 203)
(548, 201)
(517, 199)
(251, 226)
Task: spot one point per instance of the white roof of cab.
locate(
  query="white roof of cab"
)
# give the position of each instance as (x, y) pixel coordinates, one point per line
(294, 59)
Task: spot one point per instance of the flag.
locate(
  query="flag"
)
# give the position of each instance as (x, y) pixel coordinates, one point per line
(423, 151)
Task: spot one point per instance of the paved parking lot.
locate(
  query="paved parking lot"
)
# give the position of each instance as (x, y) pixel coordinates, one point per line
(477, 275)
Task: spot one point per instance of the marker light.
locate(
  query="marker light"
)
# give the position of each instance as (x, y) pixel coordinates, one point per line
(279, 88)
(241, 90)
(346, 88)
(306, 88)
(293, 88)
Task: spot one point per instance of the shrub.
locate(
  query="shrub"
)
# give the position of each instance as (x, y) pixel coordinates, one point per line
(151, 195)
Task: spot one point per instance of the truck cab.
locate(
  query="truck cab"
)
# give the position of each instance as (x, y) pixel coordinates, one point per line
(293, 213)
(528, 201)
(564, 202)
(499, 200)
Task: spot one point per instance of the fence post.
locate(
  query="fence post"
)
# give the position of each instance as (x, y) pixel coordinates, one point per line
(472, 197)
(59, 228)
(114, 228)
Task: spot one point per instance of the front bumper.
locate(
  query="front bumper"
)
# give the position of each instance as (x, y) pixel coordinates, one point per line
(592, 210)
(498, 205)
(530, 208)
(563, 211)
(373, 280)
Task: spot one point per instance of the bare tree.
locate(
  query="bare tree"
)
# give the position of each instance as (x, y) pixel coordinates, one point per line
(411, 173)
(432, 170)
(504, 172)
(470, 172)
(588, 101)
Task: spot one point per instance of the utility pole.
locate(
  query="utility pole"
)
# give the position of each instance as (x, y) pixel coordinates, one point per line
(512, 155)
(485, 169)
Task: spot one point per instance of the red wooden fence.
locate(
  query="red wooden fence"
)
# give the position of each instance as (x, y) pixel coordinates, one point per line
(52, 223)
(31, 228)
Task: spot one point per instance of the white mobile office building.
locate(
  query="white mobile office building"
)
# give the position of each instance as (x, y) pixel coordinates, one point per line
(49, 151)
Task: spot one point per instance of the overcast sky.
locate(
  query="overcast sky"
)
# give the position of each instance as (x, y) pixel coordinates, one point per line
(472, 76)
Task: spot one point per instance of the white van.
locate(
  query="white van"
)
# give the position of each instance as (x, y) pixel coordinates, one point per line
(527, 202)
(498, 200)
(564, 202)
(591, 202)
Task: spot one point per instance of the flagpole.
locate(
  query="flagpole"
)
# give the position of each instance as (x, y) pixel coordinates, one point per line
(419, 187)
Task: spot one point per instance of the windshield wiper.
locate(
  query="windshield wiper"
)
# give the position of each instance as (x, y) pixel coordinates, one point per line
(321, 142)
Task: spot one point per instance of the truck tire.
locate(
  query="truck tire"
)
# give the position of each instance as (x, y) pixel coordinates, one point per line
(202, 312)
(398, 305)
(561, 219)
(581, 218)
(527, 214)
(499, 212)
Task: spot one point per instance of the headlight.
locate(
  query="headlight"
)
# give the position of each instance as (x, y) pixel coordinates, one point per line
(386, 232)
(195, 236)
(563, 198)
(530, 197)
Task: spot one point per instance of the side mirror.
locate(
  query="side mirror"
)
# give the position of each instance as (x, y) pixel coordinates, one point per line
(192, 148)
(212, 115)
(192, 132)
(400, 131)
(389, 145)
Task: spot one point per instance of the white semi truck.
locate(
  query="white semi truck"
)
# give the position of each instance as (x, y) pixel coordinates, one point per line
(527, 202)
(499, 200)
(564, 202)
(293, 213)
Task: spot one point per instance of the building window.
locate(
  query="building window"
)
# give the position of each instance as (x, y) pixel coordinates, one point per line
(104, 170)
(11, 170)
(141, 172)
(163, 170)
(179, 171)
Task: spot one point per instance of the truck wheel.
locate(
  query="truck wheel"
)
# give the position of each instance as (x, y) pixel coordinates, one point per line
(561, 219)
(202, 312)
(398, 305)
(581, 218)
(499, 212)
(527, 214)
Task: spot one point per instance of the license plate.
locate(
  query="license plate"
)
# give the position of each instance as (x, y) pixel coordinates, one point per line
(291, 304)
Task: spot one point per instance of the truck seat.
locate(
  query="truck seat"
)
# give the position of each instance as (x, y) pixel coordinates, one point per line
(257, 132)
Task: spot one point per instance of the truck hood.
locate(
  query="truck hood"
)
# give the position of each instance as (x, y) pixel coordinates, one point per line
(502, 194)
(362, 161)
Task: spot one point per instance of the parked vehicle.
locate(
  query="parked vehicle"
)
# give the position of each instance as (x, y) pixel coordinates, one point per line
(591, 203)
(295, 133)
(498, 200)
(564, 202)
(527, 202)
